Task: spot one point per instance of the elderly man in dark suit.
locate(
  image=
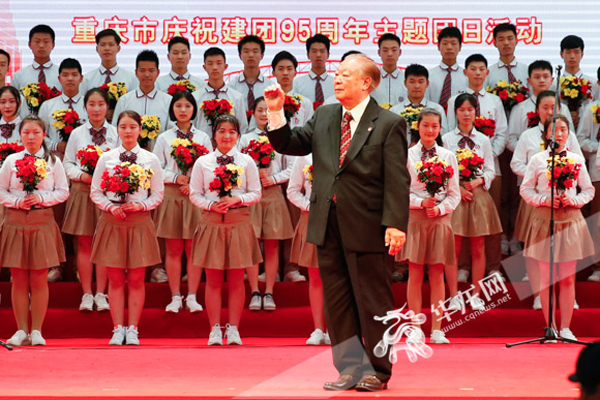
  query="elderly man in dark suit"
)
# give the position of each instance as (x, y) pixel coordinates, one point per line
(359, 206)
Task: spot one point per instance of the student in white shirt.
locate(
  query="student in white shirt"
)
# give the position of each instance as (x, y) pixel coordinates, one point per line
(10, 101)
(23, 110)
(176, 218)
(108, 45)
(81, 214)
(215, 65)
(448, 72)
(317, 85)
(391, 90)
(507, 68)
(430, 221)
(30, 239)
(125, 238)
(225, 239)
(572, 238)
(41, 42)
(179, 55)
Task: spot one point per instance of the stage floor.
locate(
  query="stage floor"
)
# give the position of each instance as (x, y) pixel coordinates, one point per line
(278, 368)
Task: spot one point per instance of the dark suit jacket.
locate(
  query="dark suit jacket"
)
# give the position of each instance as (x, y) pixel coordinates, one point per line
(372, 185)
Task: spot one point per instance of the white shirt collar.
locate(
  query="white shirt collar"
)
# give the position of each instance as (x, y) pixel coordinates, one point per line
(210, 89)
(139, 94)
(174, 75)
(135, 150)
(88, 125)
(481, 92)
(395, 74)
(36, 65)
(502, 64)
(445, 67)
(358, 111)
(459, 133)
(408, 103)
(323, 76)
(242, 77)
(113, 70)
(66, 98)
(38, 154)
(432, 147)
(15, 121)
(230, 153)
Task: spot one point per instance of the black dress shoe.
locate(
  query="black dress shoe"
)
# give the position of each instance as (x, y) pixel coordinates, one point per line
(370, 383)
(344, 382)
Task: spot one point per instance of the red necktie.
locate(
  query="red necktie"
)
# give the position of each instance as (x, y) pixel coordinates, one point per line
(41, 74)
(225, 159)
(426, 154)
(346, 136)
(319, 98)
(180, 78)
(107, 79)
(7, 130)
(446, 89)
(131, 157)
(477, 104)
(98, 136)
(70, 103)
(511, 77)
(466, 141)
(250, 96)
(181, 135)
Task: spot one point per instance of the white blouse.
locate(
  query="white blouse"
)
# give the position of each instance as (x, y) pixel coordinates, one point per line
(80, 139)
(281, 166)
(202, 176)
(15, 136)
(150, 198)
(163, 149)
(449, 197)
(298, 182)
(52, 190)
(535, 187)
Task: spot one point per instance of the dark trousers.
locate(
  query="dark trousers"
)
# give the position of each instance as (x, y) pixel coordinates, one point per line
(356, 287)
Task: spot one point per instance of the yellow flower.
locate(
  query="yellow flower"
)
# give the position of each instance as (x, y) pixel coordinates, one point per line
(263, 139)
(548, 174)
(385, 106)
(461, 167)
(152, 135)
(502, 84)
(239, 181)
(40, 167)
(58, 125)
(34, 102)
(574, 93)
(114, 91)
(542, 146)
(306, 169)
(571, 160)
(414, 125)
(419, 165)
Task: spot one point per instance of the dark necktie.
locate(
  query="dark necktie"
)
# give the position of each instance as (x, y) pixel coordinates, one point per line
(466, 141)
(598, 135)
(216, 92)
(477, 104)
(511, 77)
(125, 157)
(561, 154)
(224, 160)
(319, 98)
(108, 78)
(446, 89)
(98, 136)
(70, 103)
(41, 74)
(426, 154)
(7, 130)
(346, 136)
(250, 95)
(180, 78)
(180, 135)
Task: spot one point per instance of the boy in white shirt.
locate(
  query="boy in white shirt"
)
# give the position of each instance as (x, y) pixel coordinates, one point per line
(284, 66)
(391, 89)
(179, 55)
(317, 85)
(108, 45)
(507, 68)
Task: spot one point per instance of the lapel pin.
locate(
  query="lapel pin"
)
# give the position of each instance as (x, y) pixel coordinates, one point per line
(370, 128)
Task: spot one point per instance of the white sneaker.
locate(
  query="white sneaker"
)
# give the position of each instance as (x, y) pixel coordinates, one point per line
(118, 337)
(438, 337)
(463, 275)
(37, 339)
(54, 274)
(255, 302)
(504, 247)
(515, 246)
(575, 305)
(594, 277)
(416, 336)
(192, 304)
(101, 301)
(87, 302)
(294, 276)
(159, 275)
(216, 336)
(477, 304)
(456, 304)
(131, 336)
(232, 334)
(316, 338)
(537, 303)
(525, 278)
(567, 334)
(499, 274)
(20, 338)
(175, 305)
(268, 302)
(327, 339)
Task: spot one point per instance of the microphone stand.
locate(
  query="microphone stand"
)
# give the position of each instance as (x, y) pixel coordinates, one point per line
(6, 346)
(551, 335)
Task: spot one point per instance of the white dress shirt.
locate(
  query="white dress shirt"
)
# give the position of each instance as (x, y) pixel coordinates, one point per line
(587, 131)
(239, 84)
(398, 108)
(15, 135)
(305, 85)
(149, 198)
(437, 75)
(80, 139)
(499, 72)
(154, 103)
(203, 175)
(391, 88)
(593, 81)
(52, 190)
(59, 103)
(483, 148)
(163, 82)
(206, 92)
(30, 74)
(163, 149)
(448, 197)
(530, 144)
(535, 187)
(96, 78)
(281, 166)
(299, 188)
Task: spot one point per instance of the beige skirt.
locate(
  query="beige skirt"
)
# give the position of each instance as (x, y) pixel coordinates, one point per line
(271, 216)
(176, 217)
(572, 236)
(81, 214)
(2, 211)
(128, 243)
(302, 252)
(429, 240)
(523, 221)
(477, 217)
(30, 240)
(225, 241)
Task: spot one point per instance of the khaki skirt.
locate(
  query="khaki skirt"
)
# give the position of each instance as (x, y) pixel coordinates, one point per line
(81, 214)
(128, 243)
(302, 252)
(429, 240)
(176, 217)
(2, 211)
(477, 217)
(225, 241)
(30, 240)
(523, 221)
(572, 236)
(271, 216)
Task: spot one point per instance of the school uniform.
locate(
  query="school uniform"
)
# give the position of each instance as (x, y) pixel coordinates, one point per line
(306, 85)
(31, 74)
(131, 242)
(499, 71)
(225, 241)
(206, 92)
(154, 103)
(62, 102)
(164, 82)
(99, 76)
(241, 85)
(81, 214)
(437, 76)
(398, 108)
(30, 239)
(9, 131)
(592, 80)
(391, 88)
(587, 135)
